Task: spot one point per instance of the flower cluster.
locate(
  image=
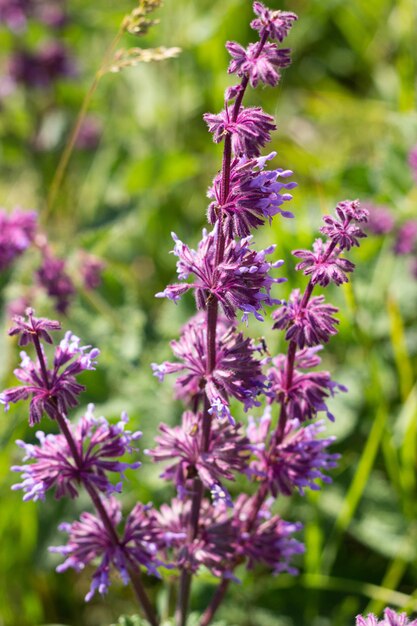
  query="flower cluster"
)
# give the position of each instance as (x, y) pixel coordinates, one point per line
(254, 196)
(100, 446)
(391, 618)
(240, 281)
(90, 539)
(228, 453)
(54, 389)
(236, 373)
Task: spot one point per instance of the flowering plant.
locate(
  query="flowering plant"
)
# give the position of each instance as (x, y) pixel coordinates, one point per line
(206, 525)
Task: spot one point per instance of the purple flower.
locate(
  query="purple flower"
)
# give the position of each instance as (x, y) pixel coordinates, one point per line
(258, 66)
(380, 219)
(213, 547)
(90, 539)
(228, 452)
(13, 13)
(412, 161)
(406, 238)
(391, 618)
(91, 270)
(236, 372)
(307, 324)
(43, 67)
(240, 281)
(341, 229)
(253, 196)
(54, 279)
(100, 445)
(60, 390)
(298, 460)
(33, 327)
(250, 131)
(17, 231)
(269, 541)
(276, 24)
(323, 264)
(306, 393)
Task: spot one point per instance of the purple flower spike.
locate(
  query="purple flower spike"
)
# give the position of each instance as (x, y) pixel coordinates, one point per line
(237, 373)
(100, 445)
(308, 392)
(254, 196)
(17, 231)
(250, 131)
(228, 453)
(258, 66)
(324, 266)
(60, 390)
(240, 281)
(212, 548)
(269, 541)
(90, 539)
(33, 327)
(276, 24)
(297, 461)
(57, 283)
(307, 324)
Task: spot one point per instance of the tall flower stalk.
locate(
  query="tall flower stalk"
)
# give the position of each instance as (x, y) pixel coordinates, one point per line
(205, 525)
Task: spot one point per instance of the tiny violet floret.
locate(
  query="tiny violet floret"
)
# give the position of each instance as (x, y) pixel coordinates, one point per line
(32, 327)
(100, 446)
(258, 66)
(323, 264)
(17, 232)
(276, 24)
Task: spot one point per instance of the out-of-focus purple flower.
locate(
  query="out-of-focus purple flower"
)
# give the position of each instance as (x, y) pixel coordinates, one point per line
(391, 618)
(213, 546)
(52, 14)
(406, 238)
(298, 460)
(33, 327)
(61, 390)
(342, 229)
(90, 539)
(250, 131)
(258, 66)
(53, 278)
(89, 135)
(17, 306)
(13, 13)
(228, 452)
(380, 219)
(412, 161)
(17, 231)
(43, 67)
(100, 446)
(237, 373)
(324, 265)
(269, 541)
(307, 324)
(254, 196)
(276, 24)
(240, 281)
(91, 269)
(307, 392)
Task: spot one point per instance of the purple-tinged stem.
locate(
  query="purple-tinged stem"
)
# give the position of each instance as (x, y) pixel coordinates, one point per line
(215, 602)
(134, 573)
(212, 316)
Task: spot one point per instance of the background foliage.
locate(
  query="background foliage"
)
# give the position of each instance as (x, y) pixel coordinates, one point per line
(346, 119)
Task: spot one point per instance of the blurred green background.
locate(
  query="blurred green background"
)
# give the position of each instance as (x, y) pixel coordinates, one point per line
(346, 121)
